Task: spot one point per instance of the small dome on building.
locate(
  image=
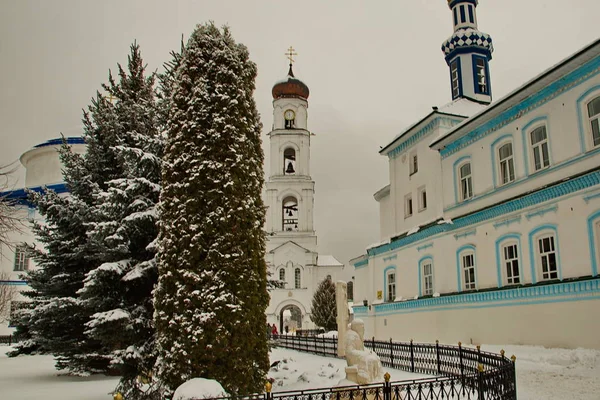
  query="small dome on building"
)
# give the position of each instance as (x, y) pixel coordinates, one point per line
(468, 38)
(290, 86)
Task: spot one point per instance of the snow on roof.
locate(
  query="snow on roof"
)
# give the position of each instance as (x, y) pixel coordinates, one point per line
(325, 260)
(463, 107)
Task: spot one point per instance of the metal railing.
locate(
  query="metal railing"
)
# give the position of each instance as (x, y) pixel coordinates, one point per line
(8, 339)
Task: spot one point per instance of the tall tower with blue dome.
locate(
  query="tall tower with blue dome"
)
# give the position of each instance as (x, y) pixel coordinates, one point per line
(468, 53)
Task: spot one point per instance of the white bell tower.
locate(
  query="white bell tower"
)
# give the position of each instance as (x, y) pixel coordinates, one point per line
(290, 188)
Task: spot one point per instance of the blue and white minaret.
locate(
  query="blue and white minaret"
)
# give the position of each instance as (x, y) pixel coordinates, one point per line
(468, 53)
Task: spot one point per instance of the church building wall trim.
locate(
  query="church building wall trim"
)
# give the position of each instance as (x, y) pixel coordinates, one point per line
(568, 82)
(573, 185)
(420, 271)
(581, 119)
(532, 246)
(508, 237)
(593, 239)
(526, 131)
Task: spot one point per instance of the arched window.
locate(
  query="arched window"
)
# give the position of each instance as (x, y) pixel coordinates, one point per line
(426, 279)
(508, 249)
(466, 181)
(593, 223)
(282, 275)
(290, 214)
(468, 274)
(21, 258)
(593, 109)
(297, 280)
(540, 153)
(390, 283)
(350, 290)
(506, 163)
(543, 243)
(289, 161)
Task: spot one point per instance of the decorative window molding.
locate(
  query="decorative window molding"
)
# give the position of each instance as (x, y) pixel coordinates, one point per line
(503, 160)
(592, 196)
(426, 276)
(593, 225)
(507, 222)
(392, 257)
(588, 138)
(425, 246)
(541, 211)
(466, 266)
(415, 137)
(390, 283)
(544, 253)
(509, 259)
(289, 161)
(461, 235)
(289, 214)
(463, 179)
(537, 152)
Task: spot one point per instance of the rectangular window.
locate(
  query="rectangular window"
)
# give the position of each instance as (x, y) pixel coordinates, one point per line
(391, 286)
(511, 264)
(594, 115)
(408, 206)
(507, 165)
(539, 145)
(297, 280)
(427, 279)
(454, 76)
(422, 199)
(471, 18)
(466, 184)
(414, 164)
(463, 19)
(469, 271)
(21, 258)
(455, 16)
(548, 258)
(481, 83)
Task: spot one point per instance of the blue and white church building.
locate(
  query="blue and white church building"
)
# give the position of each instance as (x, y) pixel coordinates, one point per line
(43, 168)
(490, 223)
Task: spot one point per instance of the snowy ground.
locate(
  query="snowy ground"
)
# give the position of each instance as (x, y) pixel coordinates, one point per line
(541, 374)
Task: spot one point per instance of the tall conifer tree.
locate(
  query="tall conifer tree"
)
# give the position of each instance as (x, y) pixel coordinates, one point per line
(211, 296)
(324, 307)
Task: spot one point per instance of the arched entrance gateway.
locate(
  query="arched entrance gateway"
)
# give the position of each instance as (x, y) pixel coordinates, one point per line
(290, 315)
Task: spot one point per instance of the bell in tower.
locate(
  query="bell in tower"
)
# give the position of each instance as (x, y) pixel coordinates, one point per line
(289, 161)
(290, 168)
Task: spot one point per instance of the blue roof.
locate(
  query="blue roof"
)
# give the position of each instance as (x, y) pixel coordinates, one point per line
(19, 196)
(59, 141)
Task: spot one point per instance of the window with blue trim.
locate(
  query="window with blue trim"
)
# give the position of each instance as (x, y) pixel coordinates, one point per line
(465, 181)
(467, 259)
(510, 261)
(391, 285)
(593, 108)
(455, 77)
(506, 163)
(427, 281)
(480, 67)
(547, 256)
(539, 148)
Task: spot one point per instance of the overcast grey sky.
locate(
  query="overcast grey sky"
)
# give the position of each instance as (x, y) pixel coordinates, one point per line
(372, 67)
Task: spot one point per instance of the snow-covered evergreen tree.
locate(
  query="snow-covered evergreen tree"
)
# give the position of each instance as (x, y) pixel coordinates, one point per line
(324, 310)
(124, 231)
(211, 297)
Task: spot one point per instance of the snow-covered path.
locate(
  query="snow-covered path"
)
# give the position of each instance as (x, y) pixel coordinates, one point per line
(542, 374)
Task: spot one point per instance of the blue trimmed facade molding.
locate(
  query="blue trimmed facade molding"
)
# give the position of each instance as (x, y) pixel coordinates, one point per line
(361, 264)
(527, 295)
(494, 147)
(13, 283)
(541, 212)
(502, 240)
(581, 119)
(507, 222)
(594, 238)
(392, 257)
(461, 235)
(425, 246)
(415, 137)
(533, 102)
(592, 196)
(575, 184)
(420, 272)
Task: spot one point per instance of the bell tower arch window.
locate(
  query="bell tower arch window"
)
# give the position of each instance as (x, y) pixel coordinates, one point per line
(289, 161)
(290, 119)
(290, 214)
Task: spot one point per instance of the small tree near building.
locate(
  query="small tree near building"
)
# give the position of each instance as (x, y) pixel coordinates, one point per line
(324, 309)
(8, 293)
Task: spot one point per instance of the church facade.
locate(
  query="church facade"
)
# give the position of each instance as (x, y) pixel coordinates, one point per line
(292, 255)
(490, 223)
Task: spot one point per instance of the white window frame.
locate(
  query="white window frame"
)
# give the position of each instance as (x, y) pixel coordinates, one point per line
(427, 288)
(282, 274)
(409, 206)
(464, 268)
(297, 278)
(350, 290)
(466, 180)
(544, 256)
(21, 262)
(413, 168)
(505, 164)
(539, 146)
(390, 281)
(594, 142)
(509, 262)
(422, 193)
(454, 77)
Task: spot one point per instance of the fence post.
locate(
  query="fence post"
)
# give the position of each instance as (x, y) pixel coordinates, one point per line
(437, 354)
(462, 368)
(514, 374)
(268, 387)
(478, 354)
(480, 381)
(10, 340)
(387, 387)
(373, 341)
(391, 353)
(412, 357)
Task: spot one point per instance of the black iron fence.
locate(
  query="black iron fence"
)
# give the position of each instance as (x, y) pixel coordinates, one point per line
(462, 372)
(8, 339)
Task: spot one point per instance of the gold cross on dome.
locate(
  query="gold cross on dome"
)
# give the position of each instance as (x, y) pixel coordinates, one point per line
(290, 54)
(111, 97)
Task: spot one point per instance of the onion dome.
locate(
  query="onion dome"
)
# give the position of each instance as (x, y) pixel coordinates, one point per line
(290, 86)
(467, 40)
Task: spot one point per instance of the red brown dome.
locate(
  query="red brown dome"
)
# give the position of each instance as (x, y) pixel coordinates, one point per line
(290, 87)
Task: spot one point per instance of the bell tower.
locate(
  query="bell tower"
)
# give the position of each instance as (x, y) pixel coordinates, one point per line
(290, 188)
